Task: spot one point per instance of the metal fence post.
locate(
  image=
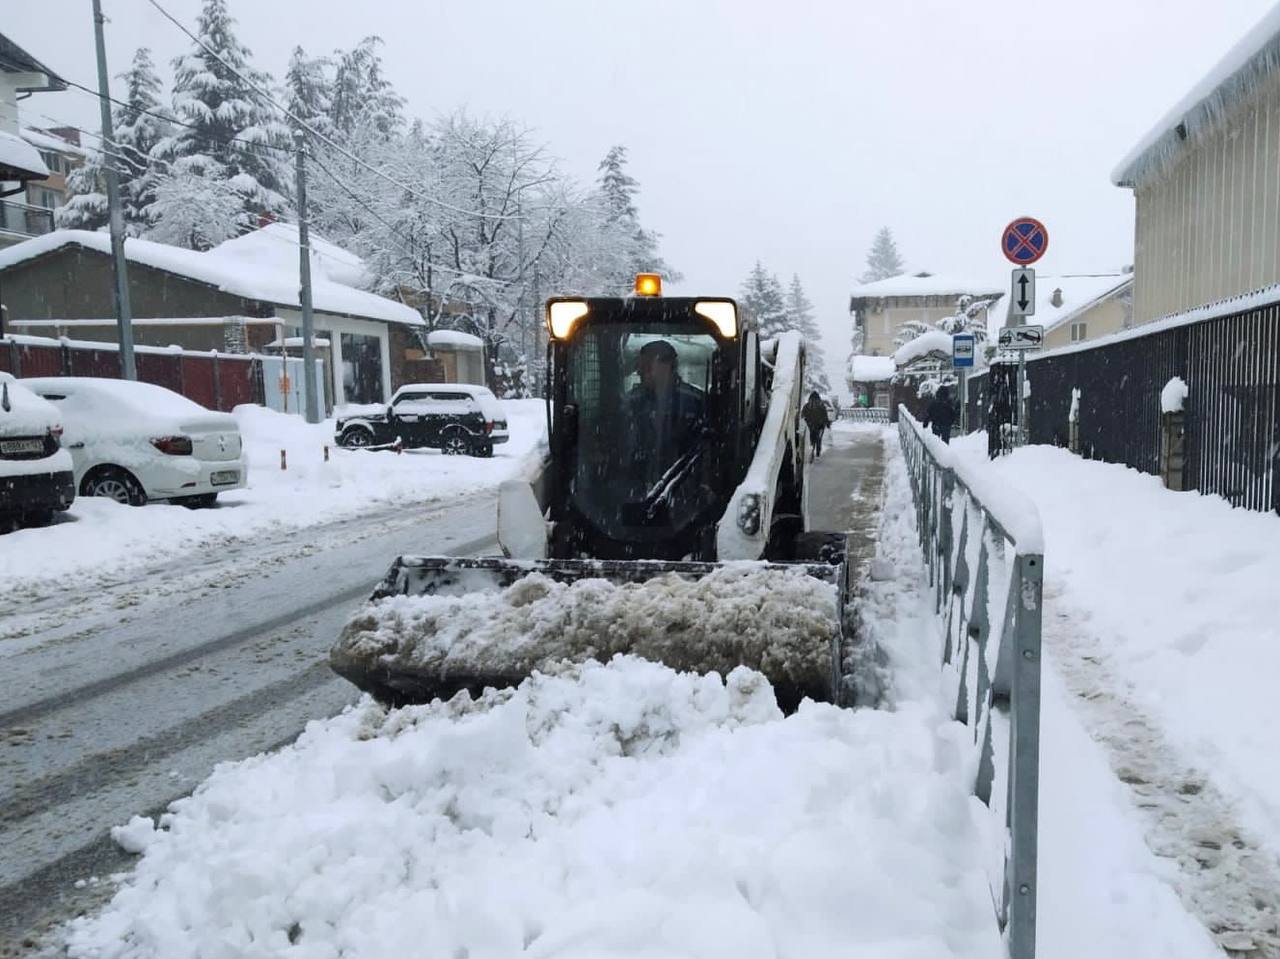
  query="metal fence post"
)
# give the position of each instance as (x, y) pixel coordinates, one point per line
(1024, 778)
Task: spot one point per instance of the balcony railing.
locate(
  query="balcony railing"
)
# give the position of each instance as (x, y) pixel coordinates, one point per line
(25, 219)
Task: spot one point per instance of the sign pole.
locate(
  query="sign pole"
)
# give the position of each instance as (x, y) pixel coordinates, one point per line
(1022, 394)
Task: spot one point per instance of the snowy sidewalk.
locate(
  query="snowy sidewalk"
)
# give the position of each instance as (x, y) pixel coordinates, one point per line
(1162, 622)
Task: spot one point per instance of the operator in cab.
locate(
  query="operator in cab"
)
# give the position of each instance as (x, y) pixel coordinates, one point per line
(665, 413)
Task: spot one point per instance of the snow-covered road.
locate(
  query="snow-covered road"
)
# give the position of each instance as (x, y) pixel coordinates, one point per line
(122, 696)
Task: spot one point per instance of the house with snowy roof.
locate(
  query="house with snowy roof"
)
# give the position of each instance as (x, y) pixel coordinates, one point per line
(1205, 185)
(241, 296)
(1074, 307)
(881, 309)
(21, 75)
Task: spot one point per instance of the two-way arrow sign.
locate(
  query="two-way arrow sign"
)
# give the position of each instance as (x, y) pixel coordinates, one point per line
(1023, 298)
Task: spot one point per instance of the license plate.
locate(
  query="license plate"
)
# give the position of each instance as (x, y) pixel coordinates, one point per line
(21, 446)
(224, 477)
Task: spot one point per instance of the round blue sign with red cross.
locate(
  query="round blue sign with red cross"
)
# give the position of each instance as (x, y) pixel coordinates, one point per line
(1025, 240)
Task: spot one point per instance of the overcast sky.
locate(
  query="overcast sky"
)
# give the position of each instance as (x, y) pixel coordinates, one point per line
(785, 131)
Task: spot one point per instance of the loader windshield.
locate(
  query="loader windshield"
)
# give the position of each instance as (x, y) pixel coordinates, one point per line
(642, 397)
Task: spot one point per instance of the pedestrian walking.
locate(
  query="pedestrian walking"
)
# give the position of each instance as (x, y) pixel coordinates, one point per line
(817, 419)
(940, 415)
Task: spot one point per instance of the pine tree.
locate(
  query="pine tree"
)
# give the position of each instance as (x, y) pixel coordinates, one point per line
(310, 90)
(138, 130)
(800, 316)
(617, 187)
(883, 260)
(762, 297)
(361, 95)
(230, 131)
(628, 248)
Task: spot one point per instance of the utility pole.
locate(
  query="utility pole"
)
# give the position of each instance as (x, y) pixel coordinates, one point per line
(304, 290)
(124, 317)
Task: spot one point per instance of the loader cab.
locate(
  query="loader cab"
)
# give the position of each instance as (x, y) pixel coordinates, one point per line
(654, 405)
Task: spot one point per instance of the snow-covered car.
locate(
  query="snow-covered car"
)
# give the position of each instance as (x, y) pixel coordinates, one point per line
(134, 442)
(36, 474)
(452, 417)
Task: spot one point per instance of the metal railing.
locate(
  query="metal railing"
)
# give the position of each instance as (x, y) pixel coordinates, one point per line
(865, 414)
(25, 219)
(983, 548)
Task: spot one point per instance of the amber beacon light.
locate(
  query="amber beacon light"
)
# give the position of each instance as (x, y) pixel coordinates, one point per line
(648, 284)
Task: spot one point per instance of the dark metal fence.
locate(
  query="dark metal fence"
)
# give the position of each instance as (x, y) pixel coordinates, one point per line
(1231, 365)
(218, 381)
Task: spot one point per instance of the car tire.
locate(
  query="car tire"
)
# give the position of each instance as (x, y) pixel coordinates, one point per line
(115, 483)
(203, 501)
(356, 437)
(455, 444)
(482, 450)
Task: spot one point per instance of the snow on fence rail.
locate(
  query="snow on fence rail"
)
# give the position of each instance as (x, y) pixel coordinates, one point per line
(866, 414)
(984, 550)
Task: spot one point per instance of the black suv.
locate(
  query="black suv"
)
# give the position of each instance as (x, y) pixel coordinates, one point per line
(452, 417)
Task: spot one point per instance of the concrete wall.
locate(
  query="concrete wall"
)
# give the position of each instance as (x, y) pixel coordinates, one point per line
(1209, 226)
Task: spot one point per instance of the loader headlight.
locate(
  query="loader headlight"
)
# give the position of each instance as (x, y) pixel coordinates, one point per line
(562, 315)
(749, 514)
(723, 313)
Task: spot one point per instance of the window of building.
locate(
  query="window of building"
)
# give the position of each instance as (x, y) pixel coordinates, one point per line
(1079, 331)
(43, 196)
(53, 161)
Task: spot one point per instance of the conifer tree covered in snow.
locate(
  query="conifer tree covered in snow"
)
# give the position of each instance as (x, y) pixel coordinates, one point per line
(138, 127)
(361, 95)
(761, 296)
(883, 260)
(627, 248)
(309, 90)
(800, 317)
(229, 135)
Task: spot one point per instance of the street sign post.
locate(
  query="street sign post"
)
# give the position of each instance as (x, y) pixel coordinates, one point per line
(962, 347)
(1024, 241)
(1022, 299)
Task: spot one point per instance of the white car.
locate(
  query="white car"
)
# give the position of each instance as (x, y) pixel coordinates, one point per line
(134, 442)
(35, 472)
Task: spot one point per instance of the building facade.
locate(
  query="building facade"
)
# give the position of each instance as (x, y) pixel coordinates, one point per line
(881, 310)
(1206, 182)
(21, 75)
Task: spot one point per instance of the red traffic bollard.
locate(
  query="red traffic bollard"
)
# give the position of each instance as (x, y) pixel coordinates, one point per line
(326, 452)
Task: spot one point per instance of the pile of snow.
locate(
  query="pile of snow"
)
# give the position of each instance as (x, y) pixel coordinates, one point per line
(1173, 395)
(623, 810)
(1177, 592)
(932, 341)
(17, 153)
(779, 621)
(454, 339)
(871, 369)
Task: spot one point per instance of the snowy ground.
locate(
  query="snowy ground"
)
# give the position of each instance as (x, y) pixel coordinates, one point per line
(97, 534)
(1161, 622)
(632, 811)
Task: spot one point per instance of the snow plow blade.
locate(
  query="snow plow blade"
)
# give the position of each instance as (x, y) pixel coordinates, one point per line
(438, 625)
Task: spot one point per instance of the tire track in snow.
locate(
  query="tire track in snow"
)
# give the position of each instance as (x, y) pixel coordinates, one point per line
(1225, 879)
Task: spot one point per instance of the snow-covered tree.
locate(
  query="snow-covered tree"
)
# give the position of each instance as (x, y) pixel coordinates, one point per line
(138, 128)
(361, 94)
(625, 247)
(909, 331)
(309, 89)
(883, 260)
(230, 131)
(761, 296)
(800, 316)
(196, 206)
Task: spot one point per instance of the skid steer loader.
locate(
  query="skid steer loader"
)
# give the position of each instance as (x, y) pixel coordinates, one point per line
(675, 463)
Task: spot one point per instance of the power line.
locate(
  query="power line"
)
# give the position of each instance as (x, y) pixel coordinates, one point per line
(316, 133)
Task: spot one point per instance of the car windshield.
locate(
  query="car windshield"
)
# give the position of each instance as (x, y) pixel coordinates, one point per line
(642, 406)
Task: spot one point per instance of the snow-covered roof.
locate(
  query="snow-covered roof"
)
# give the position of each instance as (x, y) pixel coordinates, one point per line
(455, 339)
(1079, 291)
(265, 267)
(49, 141)
(923, 284)
(1207, 105)
(19, 155)
(932, 341)
(871, 369)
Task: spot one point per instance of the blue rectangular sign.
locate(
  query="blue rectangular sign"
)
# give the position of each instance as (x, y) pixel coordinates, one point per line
(962, 346)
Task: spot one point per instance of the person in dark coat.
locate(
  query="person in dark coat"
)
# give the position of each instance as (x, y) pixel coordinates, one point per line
(817, 419)
(940, 415)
